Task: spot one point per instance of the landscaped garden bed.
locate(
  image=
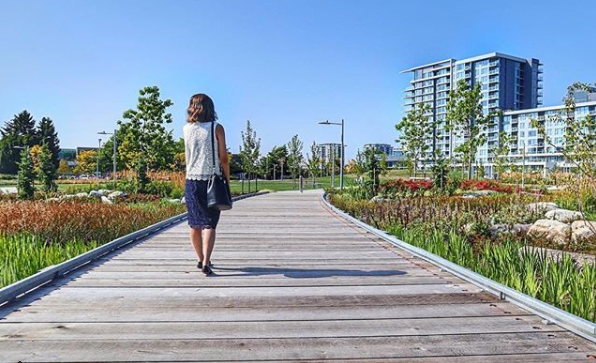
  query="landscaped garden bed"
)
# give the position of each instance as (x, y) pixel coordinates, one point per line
(490, 232)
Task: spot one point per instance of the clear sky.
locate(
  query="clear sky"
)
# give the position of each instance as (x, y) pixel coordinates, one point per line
(283, 64)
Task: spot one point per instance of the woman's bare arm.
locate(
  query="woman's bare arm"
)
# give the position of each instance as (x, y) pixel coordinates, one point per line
(223, 151)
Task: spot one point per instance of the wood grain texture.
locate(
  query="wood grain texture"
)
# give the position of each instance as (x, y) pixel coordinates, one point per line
(293, 283)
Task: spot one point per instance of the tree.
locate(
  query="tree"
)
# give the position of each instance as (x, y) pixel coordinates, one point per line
(35, 152)
(146, 143)
(501, 154)
(295, 157)
(416, 134)
(63, 167)
(18, 132)
(313, 162)
(465, 118)
(579, 147)
(86, 162)
(383, 164)
(372, 168)
(106, 153)
(250, 150)
(270, 162)
(47, 135)
(26, 176)
(47, 170)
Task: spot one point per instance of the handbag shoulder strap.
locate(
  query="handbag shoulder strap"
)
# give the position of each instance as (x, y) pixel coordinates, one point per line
(213, 144)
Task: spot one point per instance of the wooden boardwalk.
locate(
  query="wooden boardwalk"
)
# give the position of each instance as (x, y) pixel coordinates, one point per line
(294, 283)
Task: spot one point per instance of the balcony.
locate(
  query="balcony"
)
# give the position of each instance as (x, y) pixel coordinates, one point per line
(494, 64)
(494, 71)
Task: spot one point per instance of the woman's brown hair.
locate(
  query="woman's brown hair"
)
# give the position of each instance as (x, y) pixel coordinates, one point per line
(201, 109)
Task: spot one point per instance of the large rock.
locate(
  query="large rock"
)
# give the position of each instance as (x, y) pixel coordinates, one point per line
(583, 230)
(183, 200)
(542, 207)
(95, 193)
(564, 215)
(106, 200)
(116, 194)
(551, 230)
(499, 229)
(9, 190)
(81, 195)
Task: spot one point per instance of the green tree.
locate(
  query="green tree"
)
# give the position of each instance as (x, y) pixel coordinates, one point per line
(47, 173)
(106, 153)
(501, 154)
(383, 163)
(579, 148)
(271, 161)
(465, 118)
(440, 172)
(416, 134)
(26, 176)
(295, 157)
(146, 143)
(47, 135)
(86, 162)
(373, 170)
(18, 132)
(63, 167)
(313, 162)
(250, 150)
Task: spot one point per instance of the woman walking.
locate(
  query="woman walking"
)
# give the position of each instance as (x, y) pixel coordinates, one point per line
(206, 154)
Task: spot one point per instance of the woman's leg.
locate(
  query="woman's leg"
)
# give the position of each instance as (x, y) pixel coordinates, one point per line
(197, 242)
(209, 238)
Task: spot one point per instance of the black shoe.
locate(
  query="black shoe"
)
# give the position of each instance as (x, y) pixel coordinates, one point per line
(207, 270)
(200, 265)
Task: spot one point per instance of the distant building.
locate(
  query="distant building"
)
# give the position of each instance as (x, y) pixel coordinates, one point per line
(585, 96)
(384, 148)
(327, 150)
(67, 154)
(396, 158)
(507, 83)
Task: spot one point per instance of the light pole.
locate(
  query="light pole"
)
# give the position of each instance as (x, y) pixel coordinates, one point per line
(341, 170)
(98, 148)
(114, 156)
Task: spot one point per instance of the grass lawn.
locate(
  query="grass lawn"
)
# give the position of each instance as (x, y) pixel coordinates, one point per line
(288, 184)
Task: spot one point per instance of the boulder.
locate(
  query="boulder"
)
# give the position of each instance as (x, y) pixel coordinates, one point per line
(116, 194)
(499, 229)
(542, 207)
(9, 190)
(183, 200)
(67, 196)
(81, 195)
(551, 230)
(377, 199)
(106, 200)
(564, 215)
(53, 200)
(104, 191)
(583, 230)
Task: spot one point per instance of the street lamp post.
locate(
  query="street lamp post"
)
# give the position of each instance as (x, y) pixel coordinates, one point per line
(114, 156)
(98, 148)
(341, 170)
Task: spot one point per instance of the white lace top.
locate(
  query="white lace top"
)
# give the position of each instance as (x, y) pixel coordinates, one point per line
(198, 150)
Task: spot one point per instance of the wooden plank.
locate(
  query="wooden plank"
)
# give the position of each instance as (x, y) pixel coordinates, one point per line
(229, 350)
(134, 313)
(273, 329)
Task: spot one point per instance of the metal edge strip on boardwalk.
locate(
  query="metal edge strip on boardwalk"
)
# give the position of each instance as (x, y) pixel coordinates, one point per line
(50, 273)
(552, 314)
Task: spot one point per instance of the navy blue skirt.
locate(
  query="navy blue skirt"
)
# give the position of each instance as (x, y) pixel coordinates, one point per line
(199, 213)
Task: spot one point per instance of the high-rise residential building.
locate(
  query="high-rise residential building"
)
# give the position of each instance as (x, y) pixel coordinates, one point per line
(329, 150)
(384, 148)
(507, 83)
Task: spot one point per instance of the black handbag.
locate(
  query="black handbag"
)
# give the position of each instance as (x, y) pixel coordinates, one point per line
(218, 189)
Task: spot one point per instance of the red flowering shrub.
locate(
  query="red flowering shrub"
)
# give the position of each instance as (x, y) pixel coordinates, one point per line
(401, 186)
(471, 184)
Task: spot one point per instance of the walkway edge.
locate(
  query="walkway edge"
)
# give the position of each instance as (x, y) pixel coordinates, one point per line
(566, 320)
(50, 273)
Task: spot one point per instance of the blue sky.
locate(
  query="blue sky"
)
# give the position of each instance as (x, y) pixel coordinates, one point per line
(283, 64)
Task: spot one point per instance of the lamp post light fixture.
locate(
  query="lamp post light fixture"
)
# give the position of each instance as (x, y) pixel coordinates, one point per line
(114, 156)
(341, 170)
